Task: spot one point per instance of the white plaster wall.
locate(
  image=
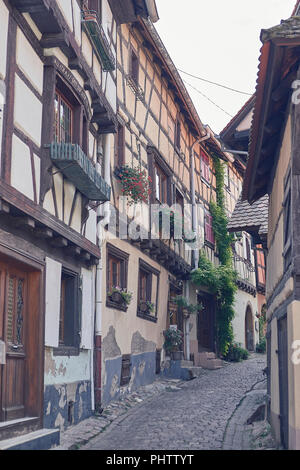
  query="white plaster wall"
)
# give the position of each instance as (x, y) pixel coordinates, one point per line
(107, 17)
(64, 369)
(52, 302)
(28, 111)
(66, 9)
(111, 92)
(21, 172)
(88, 308)
(3, 38)
(77, 21)
(87, 49)
(242, 300)
(91, 227)
(29, 62)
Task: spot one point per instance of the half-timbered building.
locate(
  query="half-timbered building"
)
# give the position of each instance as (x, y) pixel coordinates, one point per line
(273, 173)
(160, 133)
(57, 112)
(251, 226)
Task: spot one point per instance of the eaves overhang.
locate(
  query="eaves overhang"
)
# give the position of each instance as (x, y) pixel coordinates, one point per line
(277, 69)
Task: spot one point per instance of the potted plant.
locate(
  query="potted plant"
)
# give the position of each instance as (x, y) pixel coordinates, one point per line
(120, 295)
(173, 343)
(187, 308)
(146, 306)
(135, 184)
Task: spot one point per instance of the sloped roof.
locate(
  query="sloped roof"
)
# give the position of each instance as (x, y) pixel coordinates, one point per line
(251, 218)
(277, 70)
(296, 7)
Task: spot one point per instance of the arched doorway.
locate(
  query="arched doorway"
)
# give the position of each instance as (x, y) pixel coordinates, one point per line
(249, 329)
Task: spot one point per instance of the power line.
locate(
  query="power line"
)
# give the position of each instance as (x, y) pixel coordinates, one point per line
(217, 84)
(206, 97)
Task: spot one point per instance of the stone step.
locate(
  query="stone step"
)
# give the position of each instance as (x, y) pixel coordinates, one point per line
(207, 355)
(212, 364)
(184, 363)
(43, 439)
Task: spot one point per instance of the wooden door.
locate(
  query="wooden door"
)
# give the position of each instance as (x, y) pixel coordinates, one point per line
(283, 381)
(13, 307)
(205, 324)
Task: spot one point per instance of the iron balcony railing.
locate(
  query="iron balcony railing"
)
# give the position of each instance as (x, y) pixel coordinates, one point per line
(94, 29)
(244, 269)
(78, 168)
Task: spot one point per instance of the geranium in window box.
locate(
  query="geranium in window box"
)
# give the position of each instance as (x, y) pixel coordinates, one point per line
(135, 184)
(120, 296)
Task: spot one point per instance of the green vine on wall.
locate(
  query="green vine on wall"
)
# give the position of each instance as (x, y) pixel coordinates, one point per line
(221, 280)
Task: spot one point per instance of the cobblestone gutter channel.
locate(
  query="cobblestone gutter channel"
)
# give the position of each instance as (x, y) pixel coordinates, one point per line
(208, 412)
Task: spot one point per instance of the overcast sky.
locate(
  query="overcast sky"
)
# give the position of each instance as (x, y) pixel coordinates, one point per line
(218, 40)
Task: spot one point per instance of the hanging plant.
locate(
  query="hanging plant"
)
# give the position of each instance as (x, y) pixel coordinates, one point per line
(183, 303)
(135, 184)
(119, 295)
(221, 280)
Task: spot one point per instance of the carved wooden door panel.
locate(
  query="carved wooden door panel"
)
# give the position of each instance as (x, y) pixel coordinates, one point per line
(13, 285)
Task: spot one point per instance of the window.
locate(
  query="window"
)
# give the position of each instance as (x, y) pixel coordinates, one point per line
(94, 5)
(227, 178)
(63, 119)
(248, 250)
(209, 233)
(260, 265)
(205, 170)
(147, 291)
(116, 274)
(161, 185)
(120, 146)
(69, 315)
(70, 120)
(134, 67)
(287, 232)
(178, 134)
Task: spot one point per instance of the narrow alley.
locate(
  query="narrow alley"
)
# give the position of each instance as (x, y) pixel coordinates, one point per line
(190, 415)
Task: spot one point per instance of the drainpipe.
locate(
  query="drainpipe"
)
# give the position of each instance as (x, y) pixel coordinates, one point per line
(102, 210)
(194, 207)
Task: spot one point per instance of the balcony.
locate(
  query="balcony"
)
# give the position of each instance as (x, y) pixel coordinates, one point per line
(93, 27)
(77, 167)
(246, 274)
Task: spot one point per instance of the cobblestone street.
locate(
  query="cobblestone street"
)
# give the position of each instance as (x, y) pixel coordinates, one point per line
(187, 415)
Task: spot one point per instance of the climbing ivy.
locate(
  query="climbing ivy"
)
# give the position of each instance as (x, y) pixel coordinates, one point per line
(221, 280)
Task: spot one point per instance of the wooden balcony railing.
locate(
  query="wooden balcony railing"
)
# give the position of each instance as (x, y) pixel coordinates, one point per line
(95, 31)
(78, 168)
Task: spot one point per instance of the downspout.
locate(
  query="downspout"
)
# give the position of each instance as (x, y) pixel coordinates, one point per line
(101, 211)
(194, 206)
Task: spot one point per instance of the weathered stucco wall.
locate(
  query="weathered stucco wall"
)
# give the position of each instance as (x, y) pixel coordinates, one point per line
(242, 301)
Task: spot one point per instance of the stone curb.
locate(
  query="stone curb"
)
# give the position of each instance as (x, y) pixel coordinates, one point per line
(238, 434)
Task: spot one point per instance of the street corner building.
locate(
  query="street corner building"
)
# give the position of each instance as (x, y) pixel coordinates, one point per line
(272, 181)
(90, 101)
